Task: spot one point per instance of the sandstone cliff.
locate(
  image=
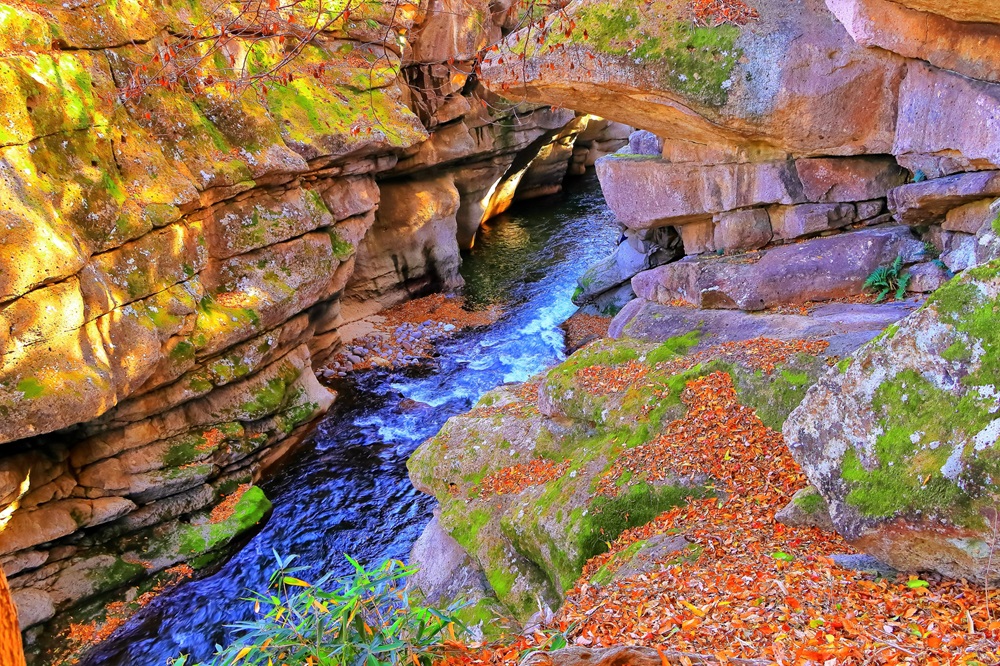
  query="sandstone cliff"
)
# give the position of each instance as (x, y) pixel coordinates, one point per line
(173, 263)
(810, 143)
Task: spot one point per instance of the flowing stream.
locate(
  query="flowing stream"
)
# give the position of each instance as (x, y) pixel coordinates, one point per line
(346, 490)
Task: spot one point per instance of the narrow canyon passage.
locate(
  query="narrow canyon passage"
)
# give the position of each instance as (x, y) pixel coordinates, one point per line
(347, 491)
(272, 292)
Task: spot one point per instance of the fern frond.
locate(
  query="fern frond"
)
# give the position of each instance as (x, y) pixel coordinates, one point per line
(881, 295)
(877, 278)
(904, 281)
(897, 265)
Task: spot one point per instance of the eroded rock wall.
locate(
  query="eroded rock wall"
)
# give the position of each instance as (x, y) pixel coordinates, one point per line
(173, 266)
(810, 143)
(795, 123)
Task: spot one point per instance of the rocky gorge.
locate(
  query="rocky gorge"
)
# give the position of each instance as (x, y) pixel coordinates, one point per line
(177, 268)
(790, 152)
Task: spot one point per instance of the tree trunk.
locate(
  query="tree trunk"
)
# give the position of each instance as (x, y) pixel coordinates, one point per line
(11, 653)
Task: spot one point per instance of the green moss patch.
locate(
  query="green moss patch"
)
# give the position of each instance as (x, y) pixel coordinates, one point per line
(915, 467)
(698, 62)
(533, 543)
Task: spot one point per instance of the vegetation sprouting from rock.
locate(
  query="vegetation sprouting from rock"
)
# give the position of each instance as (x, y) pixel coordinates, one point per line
(889, 279)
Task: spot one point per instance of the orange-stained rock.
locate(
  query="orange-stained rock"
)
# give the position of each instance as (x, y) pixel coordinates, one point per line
(931, 200)
(411, 249)
(11, 653)
(969, 48)
(973, 11)
(792, 81)
(455, 29)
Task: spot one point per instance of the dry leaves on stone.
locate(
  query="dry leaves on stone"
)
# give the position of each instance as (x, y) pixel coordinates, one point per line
(583, 328)
(223, 511)
(756, 588)
(763, 354)
(512, 480)
(720, 427)
(118, 612)
(759, 589)
(407, 334)
(525, 404)
(604, 379)
(440, 308)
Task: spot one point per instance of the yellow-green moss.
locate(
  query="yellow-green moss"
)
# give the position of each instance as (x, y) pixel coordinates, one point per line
(198, 541)
(697, 62)
(921, 423)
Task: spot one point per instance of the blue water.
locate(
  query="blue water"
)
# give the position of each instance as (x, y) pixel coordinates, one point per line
(346, 490)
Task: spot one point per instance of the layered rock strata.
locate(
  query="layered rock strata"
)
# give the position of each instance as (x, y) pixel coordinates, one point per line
(781, 126)
(173, 266)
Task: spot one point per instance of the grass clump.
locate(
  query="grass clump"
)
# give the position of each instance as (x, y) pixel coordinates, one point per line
(367, 618)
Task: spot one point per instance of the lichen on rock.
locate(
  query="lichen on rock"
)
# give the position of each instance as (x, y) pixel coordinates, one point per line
(901, 442)
(586, 415)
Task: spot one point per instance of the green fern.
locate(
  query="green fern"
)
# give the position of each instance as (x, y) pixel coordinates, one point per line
(887, 279)
(879, 277)
(904, 281)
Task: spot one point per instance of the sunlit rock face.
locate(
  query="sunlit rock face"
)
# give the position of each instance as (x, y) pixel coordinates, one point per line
(172, 267)
(791, 81)
(809, 143)
(915, 31)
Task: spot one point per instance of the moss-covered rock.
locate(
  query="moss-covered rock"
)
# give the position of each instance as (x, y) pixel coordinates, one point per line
(902, 441)
(696, 61)
(117, 573)
(709, 74)
(525, 479)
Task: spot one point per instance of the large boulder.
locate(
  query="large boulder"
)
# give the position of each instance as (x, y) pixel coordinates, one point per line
(901, 440)
(526, 481)
(816, 270)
